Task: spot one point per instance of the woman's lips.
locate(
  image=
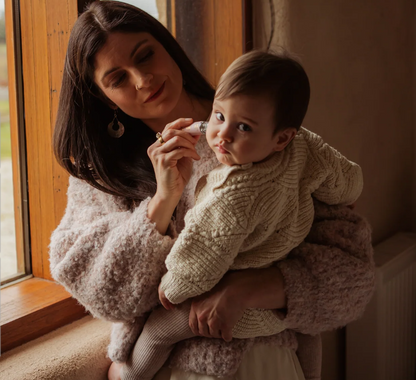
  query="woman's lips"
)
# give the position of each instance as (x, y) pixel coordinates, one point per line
(155, 94)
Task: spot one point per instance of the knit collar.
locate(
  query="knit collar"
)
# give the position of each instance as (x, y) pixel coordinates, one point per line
(266, 170)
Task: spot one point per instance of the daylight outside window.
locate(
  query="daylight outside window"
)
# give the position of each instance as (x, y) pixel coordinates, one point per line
(155, 8)
(8, 255)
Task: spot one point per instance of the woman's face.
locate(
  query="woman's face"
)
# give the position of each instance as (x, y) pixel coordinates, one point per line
(137, 74)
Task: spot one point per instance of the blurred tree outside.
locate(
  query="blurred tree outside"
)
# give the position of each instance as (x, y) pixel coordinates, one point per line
(2, 29)
(5, 145)
(8, 242)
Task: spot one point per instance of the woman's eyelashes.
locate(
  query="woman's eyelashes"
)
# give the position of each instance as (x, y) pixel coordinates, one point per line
(140, 58)
(118, 81)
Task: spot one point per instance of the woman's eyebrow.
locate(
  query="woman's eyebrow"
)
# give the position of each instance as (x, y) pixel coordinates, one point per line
(108, 72)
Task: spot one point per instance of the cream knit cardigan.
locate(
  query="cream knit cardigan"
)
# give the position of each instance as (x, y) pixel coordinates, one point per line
(112, 260)
(249, 216)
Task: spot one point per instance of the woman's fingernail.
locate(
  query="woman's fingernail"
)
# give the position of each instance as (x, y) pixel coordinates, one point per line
(188, 119)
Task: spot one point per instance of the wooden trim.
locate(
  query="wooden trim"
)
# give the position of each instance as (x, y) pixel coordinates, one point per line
(45, 31)
(33, 308)
(173, 17)
(228, 34)
(211, 33)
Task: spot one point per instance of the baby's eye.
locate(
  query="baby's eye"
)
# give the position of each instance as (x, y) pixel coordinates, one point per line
(243, 127)
(219, 116)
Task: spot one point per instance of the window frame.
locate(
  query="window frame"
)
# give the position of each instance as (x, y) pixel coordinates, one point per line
(45, 30)
(18, 142)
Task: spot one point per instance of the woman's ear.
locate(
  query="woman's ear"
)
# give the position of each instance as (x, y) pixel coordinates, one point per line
(100, 95)
(107, 101)
(284, 137)
(112, 105)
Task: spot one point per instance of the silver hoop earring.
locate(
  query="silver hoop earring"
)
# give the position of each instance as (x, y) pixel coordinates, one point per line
(137, 87)
(115, 129)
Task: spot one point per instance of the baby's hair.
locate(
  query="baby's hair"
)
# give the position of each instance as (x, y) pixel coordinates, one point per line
(276, 76)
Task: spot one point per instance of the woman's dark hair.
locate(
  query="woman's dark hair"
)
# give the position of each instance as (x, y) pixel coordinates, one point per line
(81, 143)
(274, 75)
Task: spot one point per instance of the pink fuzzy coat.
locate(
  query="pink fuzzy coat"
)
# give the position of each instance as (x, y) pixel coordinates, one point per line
(111, 260)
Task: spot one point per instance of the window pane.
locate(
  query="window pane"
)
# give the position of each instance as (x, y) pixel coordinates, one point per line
(8, 239)
(155, 8)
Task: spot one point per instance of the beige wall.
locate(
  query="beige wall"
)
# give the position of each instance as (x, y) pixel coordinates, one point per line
(358, 55)
(360, 58)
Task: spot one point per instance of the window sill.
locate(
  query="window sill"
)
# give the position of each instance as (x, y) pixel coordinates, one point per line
(33, 308)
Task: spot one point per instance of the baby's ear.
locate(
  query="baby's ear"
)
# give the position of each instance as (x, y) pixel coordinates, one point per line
(284, 137)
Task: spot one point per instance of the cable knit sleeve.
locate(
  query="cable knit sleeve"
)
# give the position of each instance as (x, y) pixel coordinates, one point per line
(206, 248)
(111, 260)
(334, 179)
(329, 279)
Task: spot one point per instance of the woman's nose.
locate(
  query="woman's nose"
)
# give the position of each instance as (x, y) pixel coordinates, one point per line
(225, 133)
(143, 80)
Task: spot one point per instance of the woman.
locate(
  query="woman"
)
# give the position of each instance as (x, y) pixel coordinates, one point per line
(125, 80)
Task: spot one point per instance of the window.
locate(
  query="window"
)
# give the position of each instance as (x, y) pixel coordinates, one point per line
(36, 38)
(14, 253)
(159, 9)
(9, 267)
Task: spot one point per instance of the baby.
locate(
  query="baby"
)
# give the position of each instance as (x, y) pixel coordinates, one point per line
(255, 207)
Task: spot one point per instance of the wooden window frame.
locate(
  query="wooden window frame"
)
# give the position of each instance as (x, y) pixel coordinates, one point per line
(18, 145)
(37, 306)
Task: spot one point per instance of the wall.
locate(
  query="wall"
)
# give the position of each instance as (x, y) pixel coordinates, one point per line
(360, 58)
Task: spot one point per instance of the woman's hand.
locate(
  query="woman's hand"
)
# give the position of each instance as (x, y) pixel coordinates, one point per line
(215, 313)
(172, 162)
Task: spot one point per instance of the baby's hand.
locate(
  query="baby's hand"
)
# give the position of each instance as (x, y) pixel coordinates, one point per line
(351, 206)
(165, 302)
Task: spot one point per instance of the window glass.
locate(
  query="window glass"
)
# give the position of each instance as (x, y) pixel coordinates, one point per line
(8, 239)
(155, 8)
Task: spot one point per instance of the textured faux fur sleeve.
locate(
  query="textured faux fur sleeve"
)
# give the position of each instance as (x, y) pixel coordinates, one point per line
(110, 259)
(329, 279)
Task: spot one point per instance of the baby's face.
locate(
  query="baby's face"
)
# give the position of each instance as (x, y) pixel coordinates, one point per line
(240, 129)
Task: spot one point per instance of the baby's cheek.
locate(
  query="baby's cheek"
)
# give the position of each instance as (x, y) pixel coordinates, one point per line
(210, 136)
(244, 150)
